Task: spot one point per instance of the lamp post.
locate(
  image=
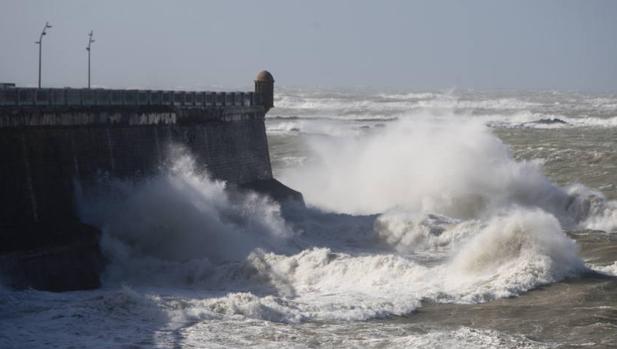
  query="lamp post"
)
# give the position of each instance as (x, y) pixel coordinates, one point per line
(90, 41)
(40, 43)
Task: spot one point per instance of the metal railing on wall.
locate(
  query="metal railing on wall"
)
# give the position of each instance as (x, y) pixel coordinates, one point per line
(67, 97)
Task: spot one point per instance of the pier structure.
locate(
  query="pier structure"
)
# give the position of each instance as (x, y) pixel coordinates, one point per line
(57, 144)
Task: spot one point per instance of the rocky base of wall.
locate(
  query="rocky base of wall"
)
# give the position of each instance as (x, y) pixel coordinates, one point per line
(51, 257)
(276, 190)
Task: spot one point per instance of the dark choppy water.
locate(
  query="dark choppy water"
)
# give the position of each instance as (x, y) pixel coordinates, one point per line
(435, 220)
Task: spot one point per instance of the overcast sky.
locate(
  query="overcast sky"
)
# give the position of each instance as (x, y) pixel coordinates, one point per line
(488, 44)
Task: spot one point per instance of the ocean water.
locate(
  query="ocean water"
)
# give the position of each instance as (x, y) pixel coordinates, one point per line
(443, 219)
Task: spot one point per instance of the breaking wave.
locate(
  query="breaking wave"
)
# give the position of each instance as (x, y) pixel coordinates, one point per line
(455, 168)
(174, 226)
(459, 221)
(408, 204)
(536, 110)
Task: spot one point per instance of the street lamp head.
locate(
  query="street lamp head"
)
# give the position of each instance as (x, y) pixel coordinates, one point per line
(90, 40)
(40, 43)
(44, 32)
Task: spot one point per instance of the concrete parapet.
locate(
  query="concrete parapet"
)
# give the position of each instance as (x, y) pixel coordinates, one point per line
(69, 97)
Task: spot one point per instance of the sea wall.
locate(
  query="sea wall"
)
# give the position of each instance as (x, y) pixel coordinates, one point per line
(47, 153)
(56, 144)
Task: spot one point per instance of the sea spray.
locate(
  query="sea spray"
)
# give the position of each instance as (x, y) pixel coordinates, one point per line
(476, 243)
(450, 167)
(514, 252)
(409, 232)
(505, 256)
(177, 223)
(251, 259)
(304, 110)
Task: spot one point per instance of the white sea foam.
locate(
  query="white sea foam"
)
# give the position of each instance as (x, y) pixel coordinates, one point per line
(610, 269)
(591, 209)
(178, 223)
(182, 229)
(353, 335)
(333, 128)
(450, 102)
(416, 233)
(504, 257)
(514, 253)
(524, 111)
(527, 119)
(451, 217)
(151, 318)
(454, 168)
(603, 217)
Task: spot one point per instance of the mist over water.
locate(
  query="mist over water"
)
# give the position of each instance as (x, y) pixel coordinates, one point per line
(181, 229)
(454, 167)
(416, 201)
(178, 224)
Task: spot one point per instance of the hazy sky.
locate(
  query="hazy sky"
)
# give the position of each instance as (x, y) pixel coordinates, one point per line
(488, 44)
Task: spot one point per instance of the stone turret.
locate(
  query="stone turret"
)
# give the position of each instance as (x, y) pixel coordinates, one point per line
(264, 89)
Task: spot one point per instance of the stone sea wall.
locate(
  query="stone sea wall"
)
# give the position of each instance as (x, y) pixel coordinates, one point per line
(56, 144)
(46, 153)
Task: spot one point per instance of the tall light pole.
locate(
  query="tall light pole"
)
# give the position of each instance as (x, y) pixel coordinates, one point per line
(90, 41)
(40, 43)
